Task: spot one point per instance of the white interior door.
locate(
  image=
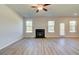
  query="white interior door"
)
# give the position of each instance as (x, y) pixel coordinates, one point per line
(62, 29)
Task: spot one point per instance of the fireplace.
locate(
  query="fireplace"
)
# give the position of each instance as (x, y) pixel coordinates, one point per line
(40, 33)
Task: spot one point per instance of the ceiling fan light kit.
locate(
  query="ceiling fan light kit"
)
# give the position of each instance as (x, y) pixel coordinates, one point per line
(40, 7)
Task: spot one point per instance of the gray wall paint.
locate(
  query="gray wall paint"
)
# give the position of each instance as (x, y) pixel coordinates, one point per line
(42, 22)
(10, 27)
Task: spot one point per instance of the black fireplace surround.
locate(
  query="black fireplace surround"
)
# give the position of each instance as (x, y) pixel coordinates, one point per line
(40, 33)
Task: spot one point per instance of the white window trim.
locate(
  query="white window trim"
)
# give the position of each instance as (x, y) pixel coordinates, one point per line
(28, 26)
(53, 25)
(75, 30)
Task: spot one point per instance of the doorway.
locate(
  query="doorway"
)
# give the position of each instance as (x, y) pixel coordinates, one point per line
(62, 29)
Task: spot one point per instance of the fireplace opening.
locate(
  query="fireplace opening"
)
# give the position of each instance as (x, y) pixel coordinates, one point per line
(40, 33)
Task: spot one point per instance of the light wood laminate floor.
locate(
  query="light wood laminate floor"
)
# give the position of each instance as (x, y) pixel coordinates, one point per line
(47, 46)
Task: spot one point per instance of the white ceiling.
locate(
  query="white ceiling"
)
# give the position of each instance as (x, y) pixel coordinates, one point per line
(25, 10)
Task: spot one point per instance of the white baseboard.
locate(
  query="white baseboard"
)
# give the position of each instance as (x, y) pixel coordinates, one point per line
(56, 37)
(17, 39)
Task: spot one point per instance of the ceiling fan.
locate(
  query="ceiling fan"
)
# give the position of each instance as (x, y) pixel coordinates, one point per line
(39, 7)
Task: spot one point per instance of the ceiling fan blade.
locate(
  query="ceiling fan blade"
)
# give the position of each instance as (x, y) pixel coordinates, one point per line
(37, 11)
(33, 6)
(44, 9)
(46, 4)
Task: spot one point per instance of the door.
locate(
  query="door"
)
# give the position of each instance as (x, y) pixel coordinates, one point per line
(62, 29)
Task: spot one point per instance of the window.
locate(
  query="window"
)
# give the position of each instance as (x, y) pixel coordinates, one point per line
(51, 26)
(72, 26)
(28, 26)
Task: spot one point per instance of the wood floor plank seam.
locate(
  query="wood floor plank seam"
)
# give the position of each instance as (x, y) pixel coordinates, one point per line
(47, 46)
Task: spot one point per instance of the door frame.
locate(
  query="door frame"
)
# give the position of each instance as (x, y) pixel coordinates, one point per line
(62, 29)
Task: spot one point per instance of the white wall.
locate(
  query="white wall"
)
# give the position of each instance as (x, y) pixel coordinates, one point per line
(42, 22)
(10, 26)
